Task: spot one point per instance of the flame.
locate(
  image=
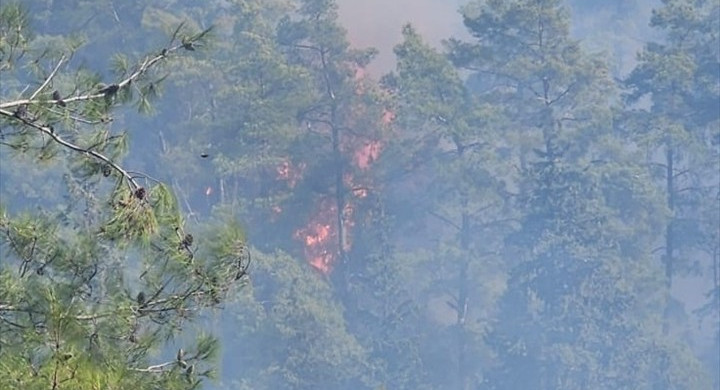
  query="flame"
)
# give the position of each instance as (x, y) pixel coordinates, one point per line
(360, 192)
(387, 116)
(320, 237)
(322, 263)
(320, 234)
(367, 154)
(289, 173)
(283, 170)
(275, 212)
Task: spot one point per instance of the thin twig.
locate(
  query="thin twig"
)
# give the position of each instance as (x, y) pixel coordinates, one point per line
(48, 79)
(444, 219)
(156, 368)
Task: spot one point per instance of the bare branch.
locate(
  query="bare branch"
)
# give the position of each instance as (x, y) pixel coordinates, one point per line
(48, 79)
(444, 219)
(146, 64)
(157, 367)
(562, 94)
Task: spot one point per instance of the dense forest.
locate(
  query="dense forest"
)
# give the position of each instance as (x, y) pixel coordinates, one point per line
(247, 194)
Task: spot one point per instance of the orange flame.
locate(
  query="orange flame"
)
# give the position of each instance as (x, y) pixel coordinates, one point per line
(316, 242)
(287, 172)
(359, 191)
(283, 170)
(320, 235)
(320, 238)
(367, 154)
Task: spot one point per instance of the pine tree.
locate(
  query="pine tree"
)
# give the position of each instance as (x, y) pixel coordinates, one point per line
(580, 261)
(443, 153)
(343, 114)
(673, 117)
(680, 78)
(101, 272)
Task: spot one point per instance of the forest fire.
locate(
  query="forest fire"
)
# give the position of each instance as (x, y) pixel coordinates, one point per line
(327, 236)
(316, 241)
(367, 154)
(320, 237)
(290, 173)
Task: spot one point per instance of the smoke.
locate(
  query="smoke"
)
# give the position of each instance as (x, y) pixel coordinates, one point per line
(378, 24)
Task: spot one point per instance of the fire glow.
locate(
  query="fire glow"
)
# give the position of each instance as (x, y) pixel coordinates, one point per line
(289, 173)
(367, 154)
(320, 237)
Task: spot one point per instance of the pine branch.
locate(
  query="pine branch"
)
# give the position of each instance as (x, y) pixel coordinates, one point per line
(144, 67)
(20, 113)
(48, 130)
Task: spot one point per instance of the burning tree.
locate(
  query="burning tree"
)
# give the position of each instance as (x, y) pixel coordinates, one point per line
(342, 123)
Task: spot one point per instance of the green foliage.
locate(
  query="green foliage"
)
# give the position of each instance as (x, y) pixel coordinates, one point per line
(678, 128)
(443, 147)
(579, 257)
(99, 277)
(291, 308)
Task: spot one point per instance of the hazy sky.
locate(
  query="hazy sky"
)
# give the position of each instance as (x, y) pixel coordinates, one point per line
(377, 23)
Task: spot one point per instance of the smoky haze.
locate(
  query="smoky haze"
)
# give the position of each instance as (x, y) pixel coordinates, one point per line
(378, 24)
(536, 207)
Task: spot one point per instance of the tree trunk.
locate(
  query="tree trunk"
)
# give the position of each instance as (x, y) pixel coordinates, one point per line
(339, 185)
(462, 303)
(670, 188)
(668, 256)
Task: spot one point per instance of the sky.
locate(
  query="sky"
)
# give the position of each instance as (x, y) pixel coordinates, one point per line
(378, 24)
